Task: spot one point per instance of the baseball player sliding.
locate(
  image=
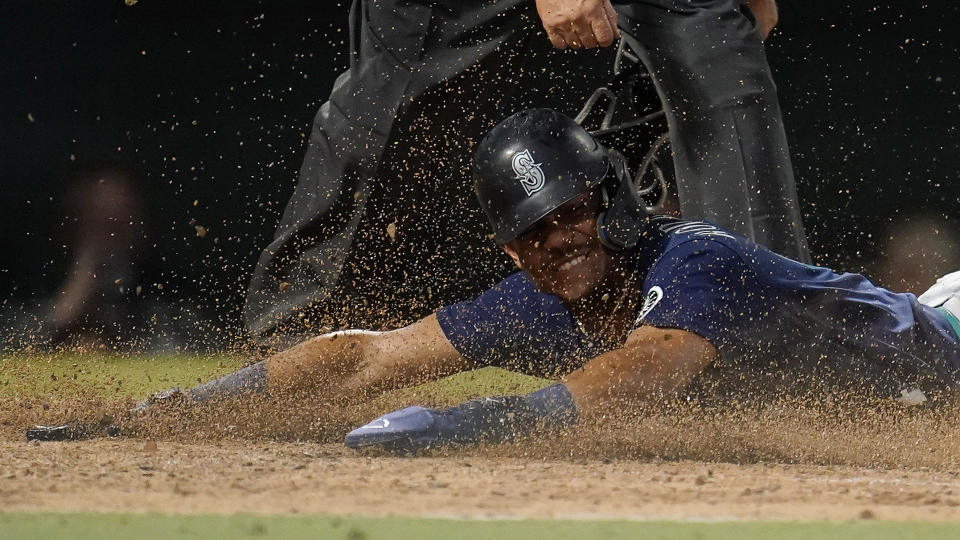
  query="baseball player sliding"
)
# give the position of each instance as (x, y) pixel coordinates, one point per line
(621, 308)
(426, 79)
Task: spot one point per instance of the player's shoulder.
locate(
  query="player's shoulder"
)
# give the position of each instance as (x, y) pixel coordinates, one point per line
(696, 254)
(682, 239)
(700, 269)
(681, 229)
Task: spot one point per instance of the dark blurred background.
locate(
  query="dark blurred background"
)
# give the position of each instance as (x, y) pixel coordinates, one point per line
(204, 109)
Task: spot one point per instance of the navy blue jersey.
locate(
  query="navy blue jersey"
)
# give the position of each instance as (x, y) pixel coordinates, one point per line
(772, 319)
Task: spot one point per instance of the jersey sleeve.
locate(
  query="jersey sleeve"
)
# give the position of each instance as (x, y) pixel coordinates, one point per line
(514, 326)
(703, 287)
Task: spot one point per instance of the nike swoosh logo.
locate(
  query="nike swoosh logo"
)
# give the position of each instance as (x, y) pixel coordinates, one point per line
(379, 423)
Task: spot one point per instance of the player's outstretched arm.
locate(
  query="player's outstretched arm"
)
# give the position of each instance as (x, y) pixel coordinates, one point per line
(344, 363)
(361, 361)
(651, 365)
(339, 364)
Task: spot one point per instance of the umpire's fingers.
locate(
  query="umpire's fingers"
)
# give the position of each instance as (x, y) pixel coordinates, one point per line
(612, 18)
(604, 32)
(556, 40)
(585, 37)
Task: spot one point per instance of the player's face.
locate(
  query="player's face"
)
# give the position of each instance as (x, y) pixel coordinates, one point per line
(562, 252)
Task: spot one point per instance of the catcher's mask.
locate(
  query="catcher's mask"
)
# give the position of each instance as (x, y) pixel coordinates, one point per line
(533, 162)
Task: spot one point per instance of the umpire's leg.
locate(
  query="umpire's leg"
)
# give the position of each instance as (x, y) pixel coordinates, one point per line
(730, 149)
(301, 267)
(391, 146)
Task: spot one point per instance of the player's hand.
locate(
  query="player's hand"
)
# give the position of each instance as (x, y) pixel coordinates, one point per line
(578, 23)
(404, 431)
(413, 429)
(766, 15)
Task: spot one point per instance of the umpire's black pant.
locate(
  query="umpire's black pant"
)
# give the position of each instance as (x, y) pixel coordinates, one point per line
(382, 227)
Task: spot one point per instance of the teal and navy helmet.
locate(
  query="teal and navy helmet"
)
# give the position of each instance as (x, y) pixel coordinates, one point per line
(533, 162)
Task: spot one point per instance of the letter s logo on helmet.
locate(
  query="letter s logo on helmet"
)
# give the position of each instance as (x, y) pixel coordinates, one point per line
(528, 172)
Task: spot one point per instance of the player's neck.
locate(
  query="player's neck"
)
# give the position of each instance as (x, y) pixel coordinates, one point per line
(607, 312)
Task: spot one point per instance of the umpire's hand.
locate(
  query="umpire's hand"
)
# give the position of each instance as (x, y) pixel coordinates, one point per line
(578, 23)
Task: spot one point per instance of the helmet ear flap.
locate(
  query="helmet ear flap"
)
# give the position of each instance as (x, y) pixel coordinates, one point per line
(623, 218)
(606, 197)
(602, 233)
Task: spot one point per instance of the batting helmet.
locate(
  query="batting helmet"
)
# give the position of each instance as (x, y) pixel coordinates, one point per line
(533, 162)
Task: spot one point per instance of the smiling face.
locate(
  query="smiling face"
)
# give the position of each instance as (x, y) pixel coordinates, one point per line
(562, 252)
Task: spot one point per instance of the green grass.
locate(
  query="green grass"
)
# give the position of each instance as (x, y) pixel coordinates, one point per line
(69, 375)
(165, 527)
(462, 386)
(119, 377)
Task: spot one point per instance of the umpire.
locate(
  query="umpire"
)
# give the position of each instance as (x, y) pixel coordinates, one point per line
(381, 229)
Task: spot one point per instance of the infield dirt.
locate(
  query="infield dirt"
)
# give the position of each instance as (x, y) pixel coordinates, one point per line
(685, 463)
(282, 478)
